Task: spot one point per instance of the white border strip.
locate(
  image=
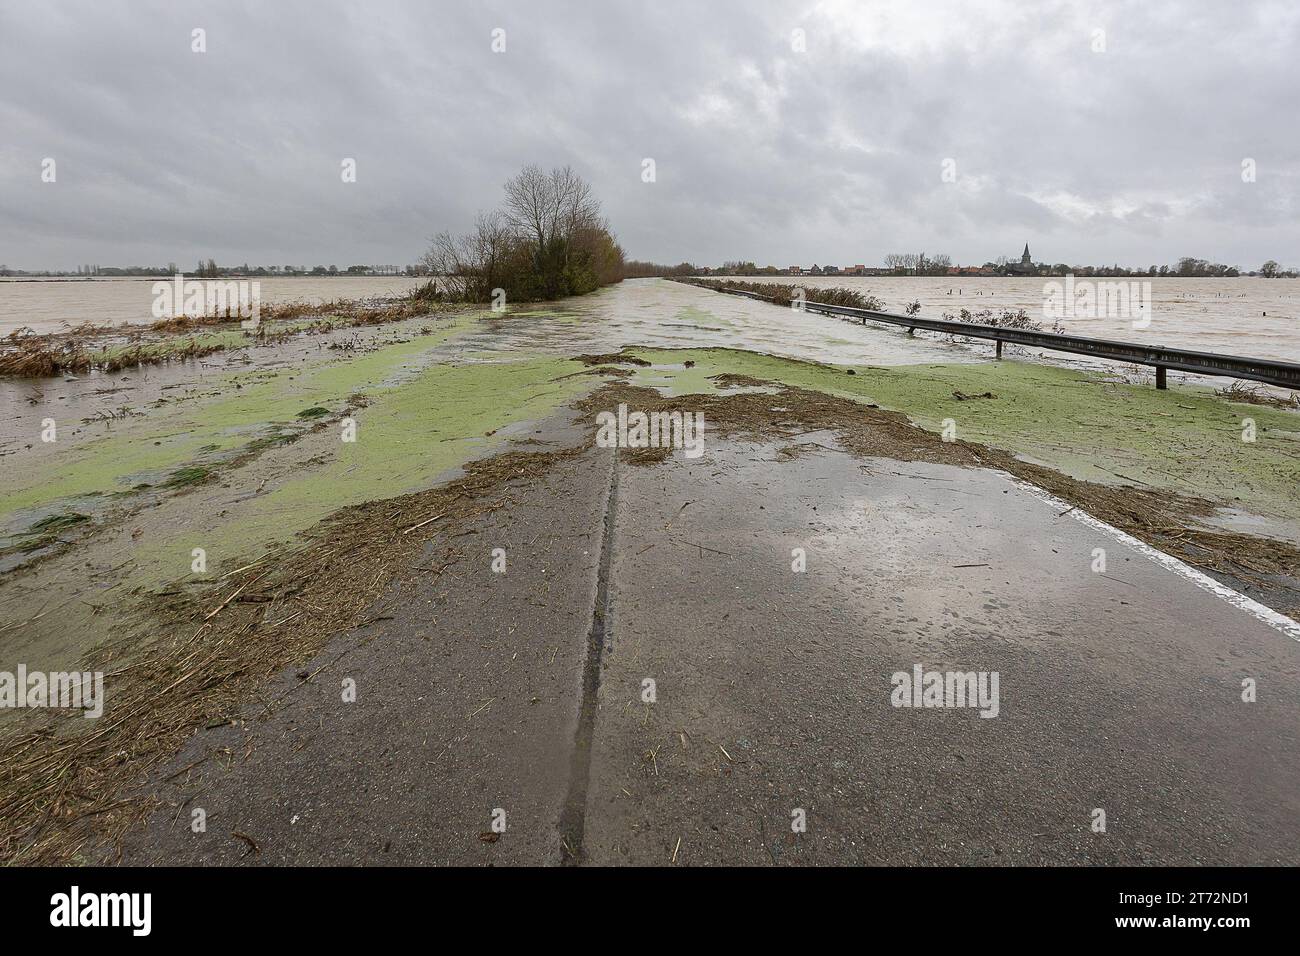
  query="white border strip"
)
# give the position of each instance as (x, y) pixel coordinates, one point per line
(1267, 615)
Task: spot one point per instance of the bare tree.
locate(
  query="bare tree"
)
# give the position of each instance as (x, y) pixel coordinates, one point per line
(475, 262)
(577, 207)
(548, 240)
(529, 205)
(548, 206)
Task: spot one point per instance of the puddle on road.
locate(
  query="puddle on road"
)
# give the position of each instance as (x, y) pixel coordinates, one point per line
(1188, 440)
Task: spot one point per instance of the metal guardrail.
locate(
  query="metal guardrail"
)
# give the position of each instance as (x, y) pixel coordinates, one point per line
(1268, 371)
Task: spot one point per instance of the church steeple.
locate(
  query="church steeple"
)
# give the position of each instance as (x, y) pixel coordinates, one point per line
(1025, 267)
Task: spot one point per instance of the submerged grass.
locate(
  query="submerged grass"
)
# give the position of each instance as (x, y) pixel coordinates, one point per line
(407, 436)
(107, 348)
(35, 356)
(252, 410)
(54, 523)
(184, 477)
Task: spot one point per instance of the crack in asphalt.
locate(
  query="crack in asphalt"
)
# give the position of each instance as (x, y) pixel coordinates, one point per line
(600, 640)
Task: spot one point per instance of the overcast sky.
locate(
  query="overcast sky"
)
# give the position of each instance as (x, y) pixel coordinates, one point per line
(831, 153)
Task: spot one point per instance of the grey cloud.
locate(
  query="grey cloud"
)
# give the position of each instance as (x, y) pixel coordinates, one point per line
(762, 152)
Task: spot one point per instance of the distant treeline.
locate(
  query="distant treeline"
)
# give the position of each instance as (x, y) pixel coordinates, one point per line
(636, 269)
(921, 264)
(1186, 267)
(210, 269)
(546, 241)
(207, 269)
(577, 250)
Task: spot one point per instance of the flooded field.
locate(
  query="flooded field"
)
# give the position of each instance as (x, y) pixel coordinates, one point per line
(1244, 316)
(1259, 318)
(50, 305)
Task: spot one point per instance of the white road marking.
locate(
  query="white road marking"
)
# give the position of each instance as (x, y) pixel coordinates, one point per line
(1267, 615)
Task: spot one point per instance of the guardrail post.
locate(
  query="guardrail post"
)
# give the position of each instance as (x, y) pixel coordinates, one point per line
(1160, 376)
(999, 355)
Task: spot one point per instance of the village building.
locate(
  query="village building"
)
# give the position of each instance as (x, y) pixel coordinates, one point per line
(1025, 267)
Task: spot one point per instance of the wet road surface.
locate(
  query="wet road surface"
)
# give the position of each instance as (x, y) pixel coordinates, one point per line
(743, 711)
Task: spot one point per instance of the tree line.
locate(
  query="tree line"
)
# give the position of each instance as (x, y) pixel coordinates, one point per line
(1185, 267)
(918, 263)
(636, 269)
(921, 264)
(547, 240)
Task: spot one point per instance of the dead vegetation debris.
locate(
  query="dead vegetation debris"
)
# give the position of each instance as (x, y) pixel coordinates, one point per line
(25, 353)
(68, 792)
(1252, 394)
(36, 356)
(732, 380)
(786, 295)
(612, 358)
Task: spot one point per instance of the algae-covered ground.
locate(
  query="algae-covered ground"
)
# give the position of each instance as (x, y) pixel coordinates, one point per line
(240, 468)
(407, 436)
(1084, 424)
(415, 419)
(246, 406)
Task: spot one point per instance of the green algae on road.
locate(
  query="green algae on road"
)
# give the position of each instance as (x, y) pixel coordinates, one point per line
(408, 437)
(416, 417)
(1085, 425)
(412, 427)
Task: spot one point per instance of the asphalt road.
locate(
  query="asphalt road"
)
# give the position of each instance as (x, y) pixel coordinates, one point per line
(773, 735)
